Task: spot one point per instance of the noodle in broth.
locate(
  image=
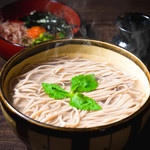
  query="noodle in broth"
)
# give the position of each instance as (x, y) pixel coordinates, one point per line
(116, 93)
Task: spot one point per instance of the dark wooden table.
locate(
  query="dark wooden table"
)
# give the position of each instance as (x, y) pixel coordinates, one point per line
(99, 16)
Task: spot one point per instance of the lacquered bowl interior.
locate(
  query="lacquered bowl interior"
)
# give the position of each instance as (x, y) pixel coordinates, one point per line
(93, 50)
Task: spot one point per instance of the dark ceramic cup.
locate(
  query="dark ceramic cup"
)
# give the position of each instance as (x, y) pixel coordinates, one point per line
(134, 35)
(39, 136)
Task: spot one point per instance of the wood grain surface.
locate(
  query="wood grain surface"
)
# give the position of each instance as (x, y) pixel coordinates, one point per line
(99, 17)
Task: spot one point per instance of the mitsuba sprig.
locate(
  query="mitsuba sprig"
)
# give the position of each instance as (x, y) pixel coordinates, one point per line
(81, 83)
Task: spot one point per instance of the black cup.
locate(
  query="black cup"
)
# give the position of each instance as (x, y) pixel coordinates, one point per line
(134, 35)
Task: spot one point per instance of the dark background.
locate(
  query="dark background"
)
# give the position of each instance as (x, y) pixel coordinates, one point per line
(99, 17)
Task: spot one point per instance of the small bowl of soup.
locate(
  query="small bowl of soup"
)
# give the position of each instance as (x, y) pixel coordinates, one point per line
(29, 22)
(73, 94)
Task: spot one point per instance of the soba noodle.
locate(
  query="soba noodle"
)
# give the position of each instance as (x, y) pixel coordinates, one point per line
(116, 93)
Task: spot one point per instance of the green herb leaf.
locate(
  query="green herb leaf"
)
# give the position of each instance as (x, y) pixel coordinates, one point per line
(79, 84)
(82, 102)
(55, 91)
(83, 83)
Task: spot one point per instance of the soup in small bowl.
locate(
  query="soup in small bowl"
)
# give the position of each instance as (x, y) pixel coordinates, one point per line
(82, 94)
